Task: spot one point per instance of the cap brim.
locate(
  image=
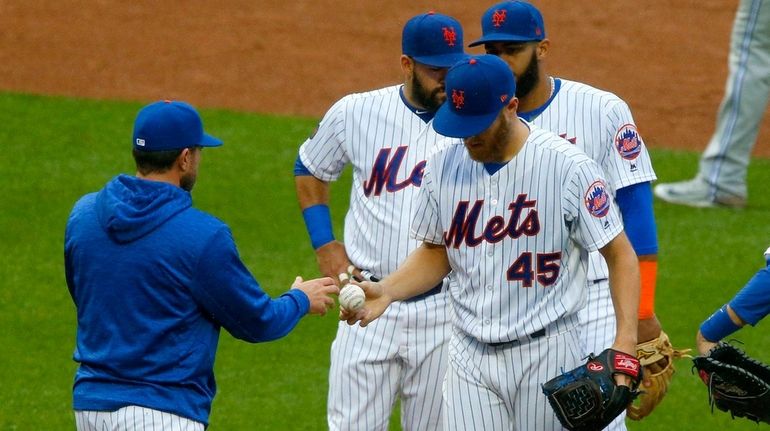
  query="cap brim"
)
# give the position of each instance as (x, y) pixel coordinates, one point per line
(449, 123)
(210, 141)
(501, 37)
(443, 60)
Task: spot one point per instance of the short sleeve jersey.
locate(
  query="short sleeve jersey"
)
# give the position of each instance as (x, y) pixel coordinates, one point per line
(517, 240)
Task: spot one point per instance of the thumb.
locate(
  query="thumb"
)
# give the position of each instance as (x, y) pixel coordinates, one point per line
(297, 281)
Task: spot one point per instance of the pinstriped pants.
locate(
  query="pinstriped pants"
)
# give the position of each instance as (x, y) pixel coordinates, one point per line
(133, 418)
(402, 353)
(498, 388)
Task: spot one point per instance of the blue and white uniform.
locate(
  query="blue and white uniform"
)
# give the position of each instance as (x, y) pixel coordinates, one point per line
(517, 241)
(600, 124)
(403, 352)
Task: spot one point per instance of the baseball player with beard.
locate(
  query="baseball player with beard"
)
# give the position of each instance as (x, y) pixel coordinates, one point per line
(600, 124)
(386, 136)
(513, 214)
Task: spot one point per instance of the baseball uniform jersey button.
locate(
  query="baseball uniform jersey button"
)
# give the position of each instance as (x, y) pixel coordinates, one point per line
(487, 322)
(494, 201)
(489, 287)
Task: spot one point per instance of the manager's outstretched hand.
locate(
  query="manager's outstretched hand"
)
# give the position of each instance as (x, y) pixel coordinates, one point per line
(318, 291)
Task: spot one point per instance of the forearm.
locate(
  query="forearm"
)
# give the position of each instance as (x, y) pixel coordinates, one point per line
(422, 270)
(624, 278)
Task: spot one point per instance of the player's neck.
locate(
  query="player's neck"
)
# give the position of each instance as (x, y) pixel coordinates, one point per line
(539, 95)
(519, 135)
(170, 177)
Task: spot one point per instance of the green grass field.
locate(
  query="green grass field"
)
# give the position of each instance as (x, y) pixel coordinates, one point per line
(59, 149)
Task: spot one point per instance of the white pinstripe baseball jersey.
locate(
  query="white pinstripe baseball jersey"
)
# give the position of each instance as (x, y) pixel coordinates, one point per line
(387, 145)
(517, 240)
(600, 124)
(402, 353)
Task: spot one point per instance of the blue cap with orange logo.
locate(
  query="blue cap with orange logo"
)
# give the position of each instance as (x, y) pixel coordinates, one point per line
(511, 21)
(433, 39)
(477, 90)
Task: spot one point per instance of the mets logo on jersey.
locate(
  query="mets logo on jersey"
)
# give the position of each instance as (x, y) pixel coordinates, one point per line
(498, 17)
(628, 142)
(449, 35)
(458, 98)
(597, 200)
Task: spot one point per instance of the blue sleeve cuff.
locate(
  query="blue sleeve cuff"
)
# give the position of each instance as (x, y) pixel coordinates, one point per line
(635, 203)
(300, 169)
(752, 302)
(718, 326)
(301, 299)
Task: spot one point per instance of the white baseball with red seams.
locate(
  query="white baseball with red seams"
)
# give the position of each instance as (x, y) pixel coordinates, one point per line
(352, 297)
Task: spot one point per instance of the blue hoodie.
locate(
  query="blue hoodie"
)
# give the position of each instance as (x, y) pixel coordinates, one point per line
(153, 279)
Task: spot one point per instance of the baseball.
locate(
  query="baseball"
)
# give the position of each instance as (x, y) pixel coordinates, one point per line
(352, 297)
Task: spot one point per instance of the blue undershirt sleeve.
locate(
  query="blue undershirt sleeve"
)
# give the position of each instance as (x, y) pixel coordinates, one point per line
(225, 288)
(752, 302)
(300, 169)
(635, 203)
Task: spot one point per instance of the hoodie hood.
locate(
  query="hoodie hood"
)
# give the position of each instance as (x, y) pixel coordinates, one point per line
(129, 208)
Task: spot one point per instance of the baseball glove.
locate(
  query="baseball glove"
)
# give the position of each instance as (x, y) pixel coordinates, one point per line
(657, 358)
(737, 383)
(587, 398)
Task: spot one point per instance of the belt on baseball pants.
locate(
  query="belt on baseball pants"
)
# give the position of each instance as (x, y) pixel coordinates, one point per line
(532, 336)
(433, 290)
(563, 324)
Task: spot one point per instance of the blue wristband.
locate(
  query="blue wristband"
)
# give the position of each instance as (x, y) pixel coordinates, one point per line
(718, 326)
(319, 225)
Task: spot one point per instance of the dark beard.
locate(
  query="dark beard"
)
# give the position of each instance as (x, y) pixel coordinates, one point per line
(424, 99)
(529, 79)
(187, 182)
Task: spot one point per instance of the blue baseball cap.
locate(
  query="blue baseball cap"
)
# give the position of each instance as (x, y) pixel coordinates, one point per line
(170, 125)
(511, 21)
(433, 39)
(477, 90)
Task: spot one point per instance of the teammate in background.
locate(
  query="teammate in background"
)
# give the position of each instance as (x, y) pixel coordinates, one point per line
(721, 178)
(600, 124)
(386, 136)
(513, 213)
(153, 280)
(750, 305)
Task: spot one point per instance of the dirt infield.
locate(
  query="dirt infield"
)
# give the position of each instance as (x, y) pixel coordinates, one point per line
(297, 57)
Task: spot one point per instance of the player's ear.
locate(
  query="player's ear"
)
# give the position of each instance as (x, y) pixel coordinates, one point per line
(542, 48)
(513, 106)
(185, 160)
(407, 65)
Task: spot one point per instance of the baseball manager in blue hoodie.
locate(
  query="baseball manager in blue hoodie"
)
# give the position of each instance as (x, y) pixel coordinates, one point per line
(153, 280)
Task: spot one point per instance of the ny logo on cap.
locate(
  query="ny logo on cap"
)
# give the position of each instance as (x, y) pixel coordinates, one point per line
(140, 142)
(458, 98)
(449, 35)
(498, 18)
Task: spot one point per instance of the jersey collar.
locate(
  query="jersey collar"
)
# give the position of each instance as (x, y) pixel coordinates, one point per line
(531, 115)
(425, 116)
